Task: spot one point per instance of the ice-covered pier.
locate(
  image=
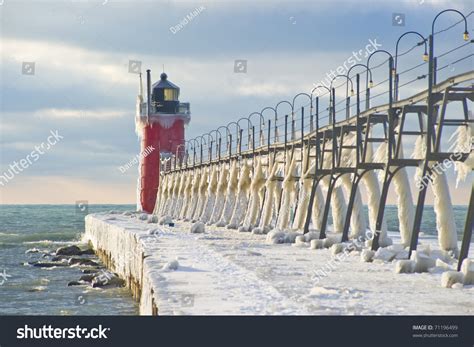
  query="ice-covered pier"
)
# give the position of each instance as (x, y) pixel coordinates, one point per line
(173, 272)
(265, 214)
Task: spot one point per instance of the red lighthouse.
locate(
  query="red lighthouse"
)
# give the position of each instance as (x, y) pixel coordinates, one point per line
(160, 123)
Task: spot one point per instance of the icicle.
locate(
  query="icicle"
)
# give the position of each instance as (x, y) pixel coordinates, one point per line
(187, 195)
(373, 196)
(220, 194)
(289, 196)
(230, 196)
(179, 203)
(242, 198)
(194, 196)
(303, 201)
(256, 188)
(211, 196)
(268, 206)
(405, 203)
(202, 190)
(447, 236)
(462, 142)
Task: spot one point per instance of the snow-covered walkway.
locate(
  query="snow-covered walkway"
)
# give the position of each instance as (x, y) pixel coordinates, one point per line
(228, 272)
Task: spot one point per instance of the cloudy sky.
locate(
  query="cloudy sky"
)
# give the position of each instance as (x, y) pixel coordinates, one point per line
(81, 86)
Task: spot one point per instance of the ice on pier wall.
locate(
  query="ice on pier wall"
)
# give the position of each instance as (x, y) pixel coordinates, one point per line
(179, 203)
(288, 197)
(256, 197)
(447, 236)
(405, 206)
(174, 195)
(241, 204)
(186, 195)
(318, 206)
(192, 202)
(271, 187)
(443, 208)
(211, 196)
(169, 189)
(162, 195)
(305, 184)
(373, 195)
(358, 223)
(203, 184)
(461, 141)
(230, 195)
(339, 208)
(220, 194)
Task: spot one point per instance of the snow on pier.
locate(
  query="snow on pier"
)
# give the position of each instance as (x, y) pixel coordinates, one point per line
(222, 271)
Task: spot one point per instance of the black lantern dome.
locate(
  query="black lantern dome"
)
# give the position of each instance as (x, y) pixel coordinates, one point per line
(165, 96)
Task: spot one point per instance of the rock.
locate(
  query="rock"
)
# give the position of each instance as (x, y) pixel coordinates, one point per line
(198, 228)
(467, 268)
(171, 266)
(367, 255)
(89, 271)
(68, 250)
(107, 278)
(47, 264)
(449, 278)
(87, 277)
(76, 283)
(60, 258)
(404, 266)
(81, 261)
(88, 251)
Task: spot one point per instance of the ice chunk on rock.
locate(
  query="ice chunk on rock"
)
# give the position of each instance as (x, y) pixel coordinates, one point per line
(166, 220)
(317, 244)
(171, 266)
(384, 254)
(198, 228)
(143, 216)
(275, 237)
(467, 268)
(451, 277)
(423, 261)
(367, 255)
(405, 266)
(339, 248)
(152, 218)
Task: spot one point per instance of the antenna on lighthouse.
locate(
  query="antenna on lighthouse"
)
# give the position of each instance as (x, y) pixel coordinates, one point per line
(140, 87)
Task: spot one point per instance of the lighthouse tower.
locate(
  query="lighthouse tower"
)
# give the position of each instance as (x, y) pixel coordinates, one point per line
(160, 124)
